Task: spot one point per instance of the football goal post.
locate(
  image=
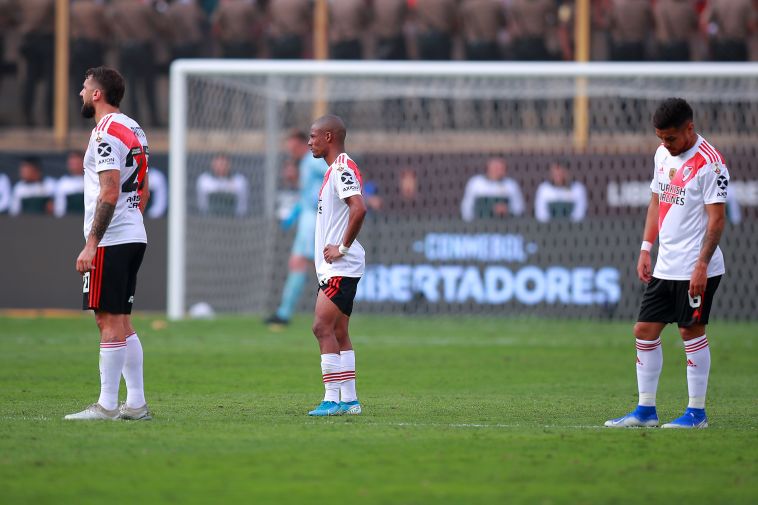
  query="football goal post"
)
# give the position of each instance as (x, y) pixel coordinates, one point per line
(436, 143)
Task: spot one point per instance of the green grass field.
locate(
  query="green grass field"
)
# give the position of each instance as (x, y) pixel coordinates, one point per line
(456, 410)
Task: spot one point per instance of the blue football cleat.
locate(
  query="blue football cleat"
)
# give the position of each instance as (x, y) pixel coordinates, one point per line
(352, 408)
(326, 409)
(643, 417)
(692, 419)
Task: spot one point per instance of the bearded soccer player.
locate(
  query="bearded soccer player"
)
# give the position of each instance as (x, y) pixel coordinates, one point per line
(687, 215)
(115, 196)
(340, 263)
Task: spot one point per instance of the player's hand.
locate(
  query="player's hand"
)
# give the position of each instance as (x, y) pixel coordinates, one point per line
(644, 267)
(331, 253)
(85, 259)
(698, 279)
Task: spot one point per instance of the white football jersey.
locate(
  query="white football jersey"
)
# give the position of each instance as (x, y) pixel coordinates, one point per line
(343, 179)
(117, 143)
(685, 184)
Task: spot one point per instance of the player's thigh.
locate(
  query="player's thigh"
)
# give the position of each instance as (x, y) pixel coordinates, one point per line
(325, 315)
(109, 286)
(657, 308)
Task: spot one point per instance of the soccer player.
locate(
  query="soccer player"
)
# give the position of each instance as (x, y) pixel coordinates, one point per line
(340, 263)
(115, 195)
(687, 214)
(311, 171)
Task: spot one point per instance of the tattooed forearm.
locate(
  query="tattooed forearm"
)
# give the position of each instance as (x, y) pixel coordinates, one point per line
(716, 221)
(103, 215)
(710, 243)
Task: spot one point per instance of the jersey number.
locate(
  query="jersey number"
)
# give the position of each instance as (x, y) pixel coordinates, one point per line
(135, 159)
(85, 282)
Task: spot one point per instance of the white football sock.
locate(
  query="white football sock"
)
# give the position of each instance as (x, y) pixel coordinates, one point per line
(330, 371)
(112, 356)
(347, 388)
(698, 365)
(649, 366)
(135, 389)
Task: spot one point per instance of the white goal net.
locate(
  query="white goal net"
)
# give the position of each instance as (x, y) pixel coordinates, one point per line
(419, 133)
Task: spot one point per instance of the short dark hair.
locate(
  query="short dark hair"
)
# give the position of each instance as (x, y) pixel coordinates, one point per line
(672, 113)
(300, 135)
(111, 81)
(34, 161)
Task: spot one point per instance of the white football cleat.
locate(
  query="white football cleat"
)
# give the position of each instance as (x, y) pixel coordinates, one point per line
(137, 414)
(94, 412)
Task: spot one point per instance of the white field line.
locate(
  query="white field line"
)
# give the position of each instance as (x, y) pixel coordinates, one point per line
(467, 425)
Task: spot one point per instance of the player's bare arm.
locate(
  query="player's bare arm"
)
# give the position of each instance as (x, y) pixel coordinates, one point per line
(106, 205)
(144, 192)
(716, 220)
(357, 208)
(644, 264)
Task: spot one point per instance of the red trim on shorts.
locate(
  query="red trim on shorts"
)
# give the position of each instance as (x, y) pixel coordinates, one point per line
(96, 278)
(334, 287)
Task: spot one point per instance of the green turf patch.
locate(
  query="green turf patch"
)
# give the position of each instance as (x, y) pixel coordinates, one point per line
(456, 410)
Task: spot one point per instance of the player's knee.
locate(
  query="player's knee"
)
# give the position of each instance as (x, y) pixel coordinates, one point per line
(690, 332)
(644, 331)
(321, 329)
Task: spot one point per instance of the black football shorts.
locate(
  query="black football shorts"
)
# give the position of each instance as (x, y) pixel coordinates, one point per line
(111, 283)
(341, 291)
(667, 301)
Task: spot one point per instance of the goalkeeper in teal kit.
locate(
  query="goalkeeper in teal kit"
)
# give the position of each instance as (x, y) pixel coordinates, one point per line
(311, 177)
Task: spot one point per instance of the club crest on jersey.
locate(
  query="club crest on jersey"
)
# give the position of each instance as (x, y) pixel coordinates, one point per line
(672, 173)
(686, 173)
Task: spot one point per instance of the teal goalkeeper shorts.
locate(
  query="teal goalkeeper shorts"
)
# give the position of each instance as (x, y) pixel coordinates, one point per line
(306, 235)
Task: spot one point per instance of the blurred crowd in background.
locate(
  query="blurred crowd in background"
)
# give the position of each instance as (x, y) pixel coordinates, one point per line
(142, 37)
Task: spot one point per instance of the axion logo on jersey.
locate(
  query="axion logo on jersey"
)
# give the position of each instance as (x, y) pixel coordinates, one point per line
(103, 149)
(347, 178)
(722, 182)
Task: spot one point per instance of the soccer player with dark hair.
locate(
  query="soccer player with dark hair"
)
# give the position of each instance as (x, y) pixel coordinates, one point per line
(340, 263)
(115, 196)
(687, 215)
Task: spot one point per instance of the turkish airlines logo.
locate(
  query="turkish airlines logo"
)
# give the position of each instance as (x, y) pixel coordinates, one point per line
(103, 149)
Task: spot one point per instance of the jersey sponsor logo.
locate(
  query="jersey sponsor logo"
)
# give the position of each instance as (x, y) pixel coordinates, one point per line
(671, 193)
(106, 161)
(104, 149)
(347, 178)
(722, 182)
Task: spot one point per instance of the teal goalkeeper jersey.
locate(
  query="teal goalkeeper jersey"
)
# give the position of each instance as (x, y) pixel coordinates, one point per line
(312, 173)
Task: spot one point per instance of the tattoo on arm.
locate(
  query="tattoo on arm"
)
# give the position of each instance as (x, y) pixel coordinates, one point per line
(710, 243)
(104, 210)
(103, 216)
